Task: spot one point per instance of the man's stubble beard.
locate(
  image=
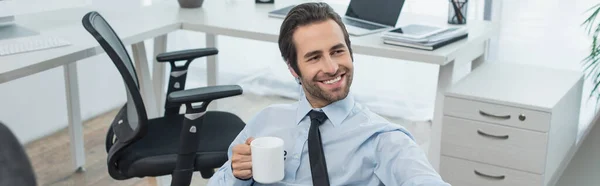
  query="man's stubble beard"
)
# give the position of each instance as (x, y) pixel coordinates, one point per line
(316, 92)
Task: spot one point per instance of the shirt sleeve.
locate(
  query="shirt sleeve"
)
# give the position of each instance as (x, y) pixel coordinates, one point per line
(400, 161)
(224, 175)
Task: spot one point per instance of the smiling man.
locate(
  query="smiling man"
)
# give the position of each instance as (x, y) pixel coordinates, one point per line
(330, 139)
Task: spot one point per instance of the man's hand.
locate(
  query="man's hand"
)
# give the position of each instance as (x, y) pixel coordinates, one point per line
(241, 160)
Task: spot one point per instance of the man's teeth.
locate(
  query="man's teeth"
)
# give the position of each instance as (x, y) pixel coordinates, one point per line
(333, 80)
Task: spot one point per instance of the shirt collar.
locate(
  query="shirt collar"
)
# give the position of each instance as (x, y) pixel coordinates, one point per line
(336, 112)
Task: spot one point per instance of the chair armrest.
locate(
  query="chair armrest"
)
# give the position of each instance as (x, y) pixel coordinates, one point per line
(188, 136)
(189, 54)
(203, 94)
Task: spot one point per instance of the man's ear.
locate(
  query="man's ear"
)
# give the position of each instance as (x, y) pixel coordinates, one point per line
(292, 70)
(294, 73)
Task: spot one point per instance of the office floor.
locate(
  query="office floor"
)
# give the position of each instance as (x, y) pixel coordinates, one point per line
(51, 157)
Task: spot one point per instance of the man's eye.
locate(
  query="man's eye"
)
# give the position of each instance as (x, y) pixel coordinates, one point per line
(338, 52)
(313, 58)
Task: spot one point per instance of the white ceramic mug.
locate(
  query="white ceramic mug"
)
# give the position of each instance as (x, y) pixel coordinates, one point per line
(267, 159)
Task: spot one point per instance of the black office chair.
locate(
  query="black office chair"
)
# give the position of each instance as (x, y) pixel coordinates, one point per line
(15, 167)
(175, 144)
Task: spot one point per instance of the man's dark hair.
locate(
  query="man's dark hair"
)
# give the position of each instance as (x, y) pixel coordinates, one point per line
(301, 15)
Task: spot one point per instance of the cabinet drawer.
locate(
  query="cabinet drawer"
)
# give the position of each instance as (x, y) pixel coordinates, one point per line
(494, 144)
(500, 114)
(461, 172)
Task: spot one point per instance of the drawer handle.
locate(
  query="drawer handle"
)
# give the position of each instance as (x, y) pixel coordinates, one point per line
(491, 135)
(493, 116)
(489, 176)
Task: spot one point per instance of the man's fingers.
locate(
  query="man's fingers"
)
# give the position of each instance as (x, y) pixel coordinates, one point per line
(242, 166)
(249, 140)
(243, 174)
(241, 149)
(241, 159)
(244, 150)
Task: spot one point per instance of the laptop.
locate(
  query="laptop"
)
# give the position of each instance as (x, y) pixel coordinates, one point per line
(363, 17)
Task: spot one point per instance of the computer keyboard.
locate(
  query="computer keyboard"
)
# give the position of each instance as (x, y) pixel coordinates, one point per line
(30, 43)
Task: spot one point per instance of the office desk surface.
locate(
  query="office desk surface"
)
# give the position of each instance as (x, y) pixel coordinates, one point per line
(244, 19)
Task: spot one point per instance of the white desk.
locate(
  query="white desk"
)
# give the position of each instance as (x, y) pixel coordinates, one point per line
(242, 19)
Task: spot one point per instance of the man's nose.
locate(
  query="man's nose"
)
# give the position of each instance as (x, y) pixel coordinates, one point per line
(331, 66)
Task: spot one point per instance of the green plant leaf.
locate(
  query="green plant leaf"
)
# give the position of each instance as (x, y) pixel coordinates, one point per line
(591, 63)
(590, 20)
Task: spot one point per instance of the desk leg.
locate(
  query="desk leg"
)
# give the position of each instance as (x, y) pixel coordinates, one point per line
(445, 79)
(158, 73)
(158, 79)
(74, 112)
(143, 72)
(478, 61)
(212, 67)
(211, 61)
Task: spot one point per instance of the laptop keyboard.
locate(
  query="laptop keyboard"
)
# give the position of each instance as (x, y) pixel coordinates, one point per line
(361, 24)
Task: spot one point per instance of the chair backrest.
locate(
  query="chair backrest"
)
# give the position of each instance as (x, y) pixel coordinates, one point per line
(15, 167)
(131, 122)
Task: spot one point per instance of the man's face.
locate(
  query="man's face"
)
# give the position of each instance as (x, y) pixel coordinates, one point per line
(324, 62)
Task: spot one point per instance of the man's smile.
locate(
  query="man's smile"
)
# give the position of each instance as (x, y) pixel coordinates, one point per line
(334, 82)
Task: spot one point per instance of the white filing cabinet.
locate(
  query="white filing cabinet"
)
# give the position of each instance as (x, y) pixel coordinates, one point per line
(509, 124)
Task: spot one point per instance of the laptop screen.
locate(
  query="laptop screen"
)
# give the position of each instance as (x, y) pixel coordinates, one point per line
(378, 11)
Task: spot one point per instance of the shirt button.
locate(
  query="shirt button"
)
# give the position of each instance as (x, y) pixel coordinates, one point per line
(297, 156)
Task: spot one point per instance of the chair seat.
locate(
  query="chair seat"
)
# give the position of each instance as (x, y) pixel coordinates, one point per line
(155, 154)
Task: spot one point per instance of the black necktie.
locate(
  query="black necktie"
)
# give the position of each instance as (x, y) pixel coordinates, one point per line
(318, 167)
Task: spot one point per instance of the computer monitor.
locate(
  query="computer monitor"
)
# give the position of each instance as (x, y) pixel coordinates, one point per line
(10, 10)
(6, 12)
(385, 12)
